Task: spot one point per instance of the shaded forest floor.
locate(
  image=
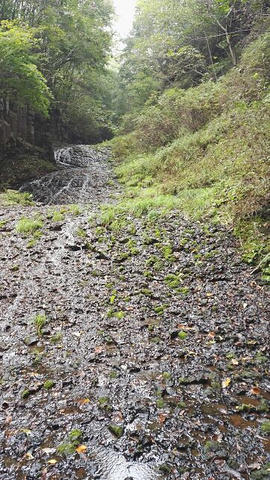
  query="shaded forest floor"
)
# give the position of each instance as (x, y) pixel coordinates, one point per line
(129, 341)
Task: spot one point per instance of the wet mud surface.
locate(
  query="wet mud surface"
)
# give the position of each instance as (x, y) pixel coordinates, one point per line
(130, 349)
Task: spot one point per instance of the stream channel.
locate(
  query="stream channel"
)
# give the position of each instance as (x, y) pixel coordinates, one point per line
(82, 179)
(153, 353)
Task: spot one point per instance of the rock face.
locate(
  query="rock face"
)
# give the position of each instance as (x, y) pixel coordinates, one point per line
(17, 122)
(25, 144)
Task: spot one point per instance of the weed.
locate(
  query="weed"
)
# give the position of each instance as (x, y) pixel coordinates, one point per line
(49, 384)
(116, 430)
(160, 403)
(168, 253)
(182, 335)
(172, 280)
(183, 290)
(69, 447)
(25, 393)
(56, 216)
(146, 292)
(31, 243)
(75, 436)
(161, 309)
(39, 321)
(265, 427)
(29, 225)
(74, 209)
(56, 338)
(81, 233)
(13, 197)
(3, 223)
(15, 268)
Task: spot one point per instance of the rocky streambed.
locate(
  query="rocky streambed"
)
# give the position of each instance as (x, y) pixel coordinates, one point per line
(132, 347)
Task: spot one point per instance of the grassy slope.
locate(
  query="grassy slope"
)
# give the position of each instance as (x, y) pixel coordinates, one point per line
(205, 151)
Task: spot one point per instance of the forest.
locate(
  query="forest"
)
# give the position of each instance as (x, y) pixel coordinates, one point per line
(134, 240)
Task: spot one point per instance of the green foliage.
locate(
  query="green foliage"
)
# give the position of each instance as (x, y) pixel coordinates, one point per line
(182, 335)
(75, 436)
(29, 225)
(56, 216)
(160, 52)
(49, 384)
(203, 151)
(74, 209)
(56, 338)
(116, 430)
(69, 447)
(20, 77)
(57, 52)
(265, 427)
(173, 280)
(13, 197)
(39, 321)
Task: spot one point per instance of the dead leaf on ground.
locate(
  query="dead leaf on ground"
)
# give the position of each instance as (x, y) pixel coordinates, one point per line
(255, 391)
(226, 382)
(81, 449)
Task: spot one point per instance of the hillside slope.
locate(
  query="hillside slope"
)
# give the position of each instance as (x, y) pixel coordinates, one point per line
(205, 150)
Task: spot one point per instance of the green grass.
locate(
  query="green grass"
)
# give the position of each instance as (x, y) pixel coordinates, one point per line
(74, 209)
(29, 225)
(13, 197)
(49, 384)
(203, 152)
(39, 321)
(56, 216)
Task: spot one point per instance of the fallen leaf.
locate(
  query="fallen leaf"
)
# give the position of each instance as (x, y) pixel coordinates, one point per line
(162, 417)
(234, 362)
(8, 419)
(99, 349)
(81, 449)
(223, 410)
(255, 391)
(52, 461)
(84, 401)
(48, 450)
(28, 456)
(226, 382)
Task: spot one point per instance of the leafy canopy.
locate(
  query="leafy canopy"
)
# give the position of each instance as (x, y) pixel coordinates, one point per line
(20, 77)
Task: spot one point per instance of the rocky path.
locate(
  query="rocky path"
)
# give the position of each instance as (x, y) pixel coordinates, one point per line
(131, 348)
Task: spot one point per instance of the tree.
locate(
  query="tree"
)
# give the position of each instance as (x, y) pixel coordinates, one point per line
(19, 75)
(177, 43)
(73, 39)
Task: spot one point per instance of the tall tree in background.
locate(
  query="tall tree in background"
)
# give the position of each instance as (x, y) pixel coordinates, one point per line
(20, 78)
(74, 42)
(180, 43)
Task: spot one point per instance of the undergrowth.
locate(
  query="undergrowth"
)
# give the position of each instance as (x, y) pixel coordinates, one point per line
(205, 151)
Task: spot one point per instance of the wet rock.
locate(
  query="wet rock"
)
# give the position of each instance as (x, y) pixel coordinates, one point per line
(114, 334)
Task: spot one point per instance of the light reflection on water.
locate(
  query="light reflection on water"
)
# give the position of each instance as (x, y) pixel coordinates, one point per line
(113, 466)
